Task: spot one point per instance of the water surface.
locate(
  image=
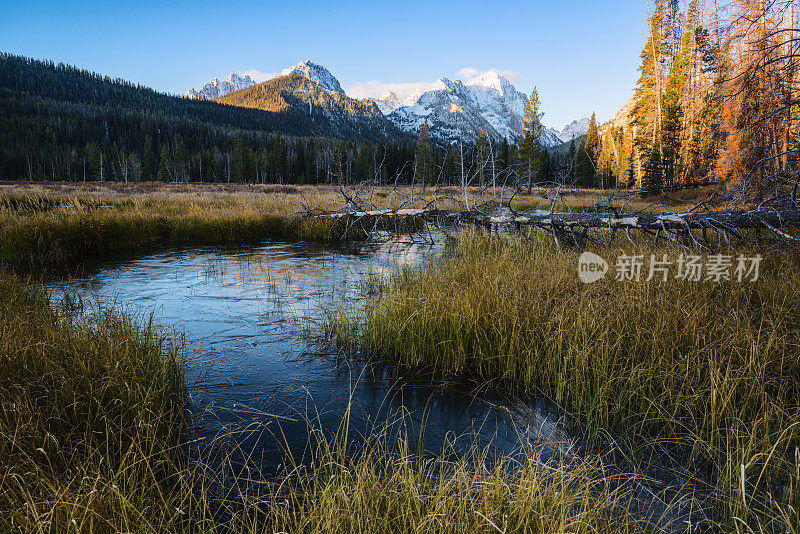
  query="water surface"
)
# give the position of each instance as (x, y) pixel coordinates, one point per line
(259, 376)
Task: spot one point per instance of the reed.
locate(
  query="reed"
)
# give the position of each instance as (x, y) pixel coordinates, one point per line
(90, 418)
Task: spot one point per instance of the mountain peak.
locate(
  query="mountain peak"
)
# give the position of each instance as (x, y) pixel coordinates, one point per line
(216, 87)
(236, 79)
(445, 84)
(317, 73)
(491, 79)
(573, 130)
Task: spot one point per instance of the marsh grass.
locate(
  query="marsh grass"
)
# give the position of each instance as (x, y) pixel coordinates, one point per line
(79, 229)
(52, 225)
(92, 439)
(708, 373)
(90, 418)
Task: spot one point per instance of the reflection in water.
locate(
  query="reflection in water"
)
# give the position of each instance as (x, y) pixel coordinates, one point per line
(257, 377)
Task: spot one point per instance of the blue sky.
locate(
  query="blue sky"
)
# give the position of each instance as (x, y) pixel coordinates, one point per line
(582, 54)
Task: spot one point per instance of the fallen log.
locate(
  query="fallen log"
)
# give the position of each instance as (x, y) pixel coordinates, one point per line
(769, 218)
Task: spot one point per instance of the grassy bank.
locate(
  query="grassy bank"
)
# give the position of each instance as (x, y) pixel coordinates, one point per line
(90, 419)
(709, 372)
(90, 441)
(58, 224)
(36, 233)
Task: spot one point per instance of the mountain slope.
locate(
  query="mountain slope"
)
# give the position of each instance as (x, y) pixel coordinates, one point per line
(457, 111)
(309, 90)
(573, 130)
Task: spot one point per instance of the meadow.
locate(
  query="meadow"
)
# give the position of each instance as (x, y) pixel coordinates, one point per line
(704, 376)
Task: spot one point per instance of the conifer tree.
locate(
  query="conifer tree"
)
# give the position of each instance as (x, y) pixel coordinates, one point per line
(647, 111)
(148, 159)
(653, 179)
(504, 158)
(481, 157)
(584, 166)
(528, 149)
(238, 158)
(165, 165)
(423, 157)
(592, 139)
(571, 161)
(181, 161)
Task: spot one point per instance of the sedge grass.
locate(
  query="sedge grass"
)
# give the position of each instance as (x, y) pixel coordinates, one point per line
(91, 441)
(708, 371)
(50, 225)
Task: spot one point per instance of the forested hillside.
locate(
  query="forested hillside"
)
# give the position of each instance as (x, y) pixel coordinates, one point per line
(342, 115)
(63, 123)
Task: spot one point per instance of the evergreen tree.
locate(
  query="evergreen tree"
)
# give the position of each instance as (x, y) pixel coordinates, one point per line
(148, 159)
(528, 149)
(239, 153)
(504, 157)
(165, 165)
(571, 161)
(584, 167)
(653, 179)
(481, 158)
(423, 157)
(647, 111)
(181, 162)
(593, 139)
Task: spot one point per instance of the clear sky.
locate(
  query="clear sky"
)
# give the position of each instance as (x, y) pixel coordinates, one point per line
(581, 54)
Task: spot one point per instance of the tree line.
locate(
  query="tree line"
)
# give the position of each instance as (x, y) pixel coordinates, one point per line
(716, 99)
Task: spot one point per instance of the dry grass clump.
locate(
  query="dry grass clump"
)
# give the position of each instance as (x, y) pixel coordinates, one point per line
(90, 418)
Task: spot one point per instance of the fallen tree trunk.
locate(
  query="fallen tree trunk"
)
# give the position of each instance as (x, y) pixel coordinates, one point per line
(725, 220)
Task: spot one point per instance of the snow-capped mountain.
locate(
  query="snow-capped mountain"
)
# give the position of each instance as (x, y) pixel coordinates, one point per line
(316, 73)
(392, 100)
(573, 130)
(309, 91)
(457, 111)
(217, 87)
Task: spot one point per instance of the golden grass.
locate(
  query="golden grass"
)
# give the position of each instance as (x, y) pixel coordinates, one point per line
(709, 372)
(90, 426)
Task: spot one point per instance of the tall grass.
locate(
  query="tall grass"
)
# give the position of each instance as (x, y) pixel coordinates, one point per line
(90, 419)
(91, 422)
(79, 229)
(58, 224)
(711, 372)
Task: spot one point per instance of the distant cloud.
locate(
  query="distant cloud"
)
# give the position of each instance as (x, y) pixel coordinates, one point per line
(470, 73)
(376, 88)
(258, 76)
(466, 73)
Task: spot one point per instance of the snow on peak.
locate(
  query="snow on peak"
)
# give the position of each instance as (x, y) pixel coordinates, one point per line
(316, 73)
(444, 84)
(573, 130)
(217, 87)
(458, 111)
(491, 79)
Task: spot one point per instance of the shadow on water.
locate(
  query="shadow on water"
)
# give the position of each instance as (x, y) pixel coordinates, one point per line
(259, 382)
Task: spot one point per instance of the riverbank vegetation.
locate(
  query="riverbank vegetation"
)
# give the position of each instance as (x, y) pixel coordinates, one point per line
(707, 373)
(91, 430)
(58, 224)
